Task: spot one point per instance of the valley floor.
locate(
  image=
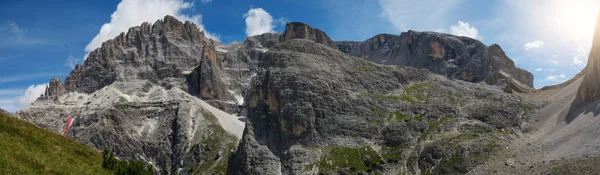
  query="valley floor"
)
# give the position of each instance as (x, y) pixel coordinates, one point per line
(566, 138)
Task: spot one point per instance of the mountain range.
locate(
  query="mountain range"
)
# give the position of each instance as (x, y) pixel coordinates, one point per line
(300, 103)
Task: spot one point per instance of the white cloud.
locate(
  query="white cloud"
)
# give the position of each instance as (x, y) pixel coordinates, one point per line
(31, 94)
(465, 29)
(431, 13)
(13, 28)
(580, 57)
(131, 13)
(554, 62)
(71, 62)
(533, 45)
(206, 1)
(578, 60)
(542, 70)
(555, 77)
(258, 21)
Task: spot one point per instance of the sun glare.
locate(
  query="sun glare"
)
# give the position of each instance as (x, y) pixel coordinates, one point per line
(578, 17)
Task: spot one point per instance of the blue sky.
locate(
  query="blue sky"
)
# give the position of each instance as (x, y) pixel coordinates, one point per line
(43, 39)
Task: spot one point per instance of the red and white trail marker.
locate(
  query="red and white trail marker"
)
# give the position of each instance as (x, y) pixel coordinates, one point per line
(69, 123)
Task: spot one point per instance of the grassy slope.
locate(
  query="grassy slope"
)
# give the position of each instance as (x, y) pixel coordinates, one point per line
(28, 149)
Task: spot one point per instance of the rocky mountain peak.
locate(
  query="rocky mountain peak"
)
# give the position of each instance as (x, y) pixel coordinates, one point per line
(55, 89)
(589, 91)
(456, 57)
(158, 52)
(298, 30)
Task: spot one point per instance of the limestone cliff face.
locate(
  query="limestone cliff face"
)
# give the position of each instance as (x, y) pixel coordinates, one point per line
(159, 52)
(55, 89)
(298, 30)
(315, 110)
(142, 94)
(452, 56)
(589, 90)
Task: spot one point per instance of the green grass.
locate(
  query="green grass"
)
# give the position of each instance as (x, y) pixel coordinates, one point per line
(354, 160)
(434, 126)
(28, 149)
(417, 93)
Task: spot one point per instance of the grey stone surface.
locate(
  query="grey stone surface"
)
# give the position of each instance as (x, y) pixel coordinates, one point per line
(309, 96)
(140, 94)
(589, 91)
(298, 30)
(146, 94)
(455, 57)
(55, 89)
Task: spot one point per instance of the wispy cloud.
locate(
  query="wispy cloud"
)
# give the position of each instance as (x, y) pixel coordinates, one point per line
(545, 70)
(8, 104)
(13, 35)
(13, 28)
(533, 45)
(17, 78)
(580, 57)
(465, 29)
(206, 1)
(11, 92)
(555, 77)
(72, 62)
(130, 13)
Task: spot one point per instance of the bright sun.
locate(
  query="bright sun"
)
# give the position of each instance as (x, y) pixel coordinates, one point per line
(578, 17)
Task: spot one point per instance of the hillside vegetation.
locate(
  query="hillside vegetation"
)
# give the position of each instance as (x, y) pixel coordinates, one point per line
(28, 149)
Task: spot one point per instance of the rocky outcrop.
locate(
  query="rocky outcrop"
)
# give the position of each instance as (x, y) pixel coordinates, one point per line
(170, 129)
(142, 94)
(161, 52)
(55, 89)
(589, 91)
(313, 109)
(206, 82)
(298, 30)
(455, 57)
(239, 62)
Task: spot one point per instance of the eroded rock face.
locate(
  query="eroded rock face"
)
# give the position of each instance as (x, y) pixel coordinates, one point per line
(161, 52)
(141, 95)
(456, 57)
(240, 62)
(55, 89)
(172, 130)
(589, 90)
(313, 109)
(298, 30)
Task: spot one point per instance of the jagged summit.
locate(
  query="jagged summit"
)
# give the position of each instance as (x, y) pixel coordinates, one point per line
(157, 52)
(456, 57)
(589, 91)
(167, 87)
(298, 30)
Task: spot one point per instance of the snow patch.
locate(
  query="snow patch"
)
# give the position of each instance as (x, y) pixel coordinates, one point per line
(221, 50)
(262, 49)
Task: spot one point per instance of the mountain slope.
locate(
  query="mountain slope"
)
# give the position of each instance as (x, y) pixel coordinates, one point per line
(27, 149)
(147, 95)
(313, 109)
(455, 57)
(565, 139)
